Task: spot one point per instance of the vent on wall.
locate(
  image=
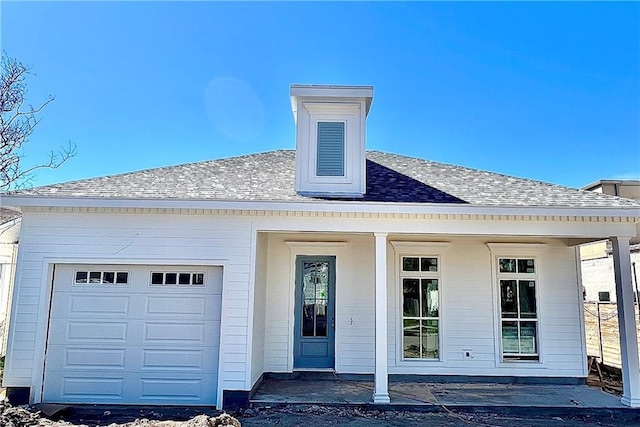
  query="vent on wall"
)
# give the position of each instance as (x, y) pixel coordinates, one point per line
(330, 155)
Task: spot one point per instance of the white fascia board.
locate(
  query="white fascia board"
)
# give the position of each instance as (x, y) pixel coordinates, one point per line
(10, 231)
(601, 182)
(330, 91)
(317, 206)
(298, 91)
(10, 223)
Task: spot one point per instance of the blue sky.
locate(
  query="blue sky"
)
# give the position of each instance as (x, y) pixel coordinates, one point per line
(547, 91)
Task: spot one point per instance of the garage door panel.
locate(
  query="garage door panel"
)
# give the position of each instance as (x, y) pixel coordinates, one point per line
(141, 332)
(97, 305)
(165, 389)
(184, 333)
(109, 388)
(78, 331)
(180, 361)
(85, 388)
(134, 344)
(193, 307)
(171, 358)
(96, 331)
(93, 305)
(178, 306)
(132, 359)
(82, 358)
(161, 389)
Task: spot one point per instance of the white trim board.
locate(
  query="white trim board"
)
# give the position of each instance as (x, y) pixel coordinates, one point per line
(324, 206)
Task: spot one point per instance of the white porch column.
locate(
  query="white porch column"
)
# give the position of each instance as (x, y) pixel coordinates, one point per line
(381, 376)
(626, 322)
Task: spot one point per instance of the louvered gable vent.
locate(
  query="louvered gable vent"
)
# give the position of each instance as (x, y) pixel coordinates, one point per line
(330, 161)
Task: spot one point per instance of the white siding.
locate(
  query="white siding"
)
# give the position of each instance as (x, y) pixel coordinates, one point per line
(468, 315)
(7, 269)
(468, 311)
(354, 304)
(127, 238)
(259, 306)
(468, 305)
(355, 307)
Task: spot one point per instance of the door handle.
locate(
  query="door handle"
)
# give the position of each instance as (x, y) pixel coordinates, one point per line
(333, 322)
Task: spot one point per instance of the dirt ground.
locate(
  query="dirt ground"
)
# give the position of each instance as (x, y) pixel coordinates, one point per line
(294, 415)
(304, 415)
(608, 379)
(354, 417)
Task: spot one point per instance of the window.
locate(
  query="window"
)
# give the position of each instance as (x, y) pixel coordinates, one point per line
(330, 149)
(420, 281)
(85, 277)
(604, 297)
(518, 308)
(180, 278)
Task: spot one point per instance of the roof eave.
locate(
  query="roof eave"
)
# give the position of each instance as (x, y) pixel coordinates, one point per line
(17, 201)
(601, 182)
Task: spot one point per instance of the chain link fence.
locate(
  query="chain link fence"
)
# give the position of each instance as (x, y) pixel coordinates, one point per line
(602, 332)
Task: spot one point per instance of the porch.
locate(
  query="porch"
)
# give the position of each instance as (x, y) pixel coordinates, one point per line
(411, 393)
(371, 327)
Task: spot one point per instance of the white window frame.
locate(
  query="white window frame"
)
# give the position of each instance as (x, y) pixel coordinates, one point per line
(349, 114)
(102, 271)
(177, 273)
(419, 249)
(517, 250)
(314, 153)
(517, 277)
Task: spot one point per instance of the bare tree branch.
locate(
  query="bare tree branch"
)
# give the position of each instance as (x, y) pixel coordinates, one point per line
(16, 126)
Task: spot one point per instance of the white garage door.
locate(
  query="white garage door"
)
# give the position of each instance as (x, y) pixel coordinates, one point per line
(134, 335)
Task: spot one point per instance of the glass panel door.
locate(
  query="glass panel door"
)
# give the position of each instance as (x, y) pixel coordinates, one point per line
(314, 312)
(315, 296)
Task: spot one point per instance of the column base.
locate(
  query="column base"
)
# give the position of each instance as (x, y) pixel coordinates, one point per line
(633, 402)
(381, 398)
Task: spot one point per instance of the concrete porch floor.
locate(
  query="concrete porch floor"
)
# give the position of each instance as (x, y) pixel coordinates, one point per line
(423, 395)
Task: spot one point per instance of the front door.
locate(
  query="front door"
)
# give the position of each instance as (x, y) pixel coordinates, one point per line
(315, 312)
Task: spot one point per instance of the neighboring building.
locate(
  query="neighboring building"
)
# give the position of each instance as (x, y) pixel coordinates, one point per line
(9, 232)
(186, 284)
(597, 259)
(598, 273)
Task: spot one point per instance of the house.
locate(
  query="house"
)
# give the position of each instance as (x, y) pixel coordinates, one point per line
(596, 258)
(187, 284)
(9, 232)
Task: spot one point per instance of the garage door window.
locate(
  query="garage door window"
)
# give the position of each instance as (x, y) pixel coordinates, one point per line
(84, 277)
(182, 278)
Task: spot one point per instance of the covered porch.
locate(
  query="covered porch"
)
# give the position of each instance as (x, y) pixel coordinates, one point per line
(433, 393)
(370, 335)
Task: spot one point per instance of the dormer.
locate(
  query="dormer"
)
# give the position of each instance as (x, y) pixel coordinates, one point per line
(330, 139)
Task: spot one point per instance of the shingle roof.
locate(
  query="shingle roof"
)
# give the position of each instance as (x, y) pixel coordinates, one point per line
(270, 176)
(7, 215)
